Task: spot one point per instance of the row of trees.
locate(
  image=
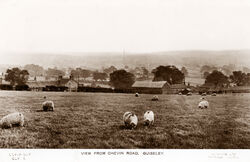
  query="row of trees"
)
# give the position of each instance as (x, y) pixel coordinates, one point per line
(219, 79)
(225, 69)
(140, 73)
(121, 79)
(118, 78)
(36, 70)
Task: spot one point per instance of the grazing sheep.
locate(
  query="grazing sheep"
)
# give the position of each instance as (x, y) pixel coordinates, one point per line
(48, 106)
(179, 93)
(213, 94)
(130, 120)
(203, 104)
(204, 94)
(136, 94)
(148, 118)
(155, 98)
(12, 119)
(189, 93)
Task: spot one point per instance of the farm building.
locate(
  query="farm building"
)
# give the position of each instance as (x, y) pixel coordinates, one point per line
(35, 86)
(211, 88)
(61, 84)
(158, 87)
(207, 87)
(39, 86)
(4, 85)
(70, 84)
(37, 78)
(176, 88)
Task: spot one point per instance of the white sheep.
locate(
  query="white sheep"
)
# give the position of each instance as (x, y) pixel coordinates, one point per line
(203, 104)
(48, 106)
(130, 120)
(136, 94)
(12, 119)
(148, 118)
(155, 98)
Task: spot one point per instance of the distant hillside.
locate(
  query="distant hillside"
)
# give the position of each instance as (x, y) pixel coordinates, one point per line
(191, 59)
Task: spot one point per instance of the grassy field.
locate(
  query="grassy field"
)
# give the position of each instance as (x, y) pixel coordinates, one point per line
(94, 120)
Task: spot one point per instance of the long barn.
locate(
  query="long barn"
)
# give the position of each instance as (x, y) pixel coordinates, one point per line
(151, 87)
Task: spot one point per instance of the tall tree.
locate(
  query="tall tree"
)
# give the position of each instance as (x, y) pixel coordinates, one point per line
(240, 78)
(217, 78)
(122, 79)
(16, 76)
(169, 73)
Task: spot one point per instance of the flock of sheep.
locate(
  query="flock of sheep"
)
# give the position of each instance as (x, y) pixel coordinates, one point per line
(17, 118)
(129, 118)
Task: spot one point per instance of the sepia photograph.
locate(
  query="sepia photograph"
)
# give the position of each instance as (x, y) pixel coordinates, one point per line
(124, 78)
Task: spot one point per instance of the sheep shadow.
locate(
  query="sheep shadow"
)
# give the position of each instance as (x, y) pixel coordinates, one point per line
(39, 111)
(139, 127)
(12, 126)
(43, 111)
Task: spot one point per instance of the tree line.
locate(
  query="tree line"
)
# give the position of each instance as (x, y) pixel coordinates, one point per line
(122, 79)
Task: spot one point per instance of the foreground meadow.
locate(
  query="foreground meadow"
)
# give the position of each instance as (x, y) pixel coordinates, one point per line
(94, 120)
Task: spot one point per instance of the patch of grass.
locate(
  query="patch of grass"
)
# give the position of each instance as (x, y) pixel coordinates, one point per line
(94, 120)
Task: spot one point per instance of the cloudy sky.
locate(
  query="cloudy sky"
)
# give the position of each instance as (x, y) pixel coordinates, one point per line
(72, 26)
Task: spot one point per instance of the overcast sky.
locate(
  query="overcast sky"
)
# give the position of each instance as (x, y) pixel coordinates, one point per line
(64, 26)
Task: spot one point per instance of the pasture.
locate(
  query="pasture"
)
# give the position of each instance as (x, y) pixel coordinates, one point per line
(94, 120)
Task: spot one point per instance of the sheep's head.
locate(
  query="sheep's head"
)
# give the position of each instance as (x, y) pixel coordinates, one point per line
(146, 122)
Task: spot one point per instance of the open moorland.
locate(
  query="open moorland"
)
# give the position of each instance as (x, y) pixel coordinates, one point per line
(94, 120)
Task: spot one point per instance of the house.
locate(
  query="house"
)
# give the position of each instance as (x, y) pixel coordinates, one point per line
(61, 84)
(37, 78)
(40, 78)
(69, 83)
(151, 87)
(84, 83)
